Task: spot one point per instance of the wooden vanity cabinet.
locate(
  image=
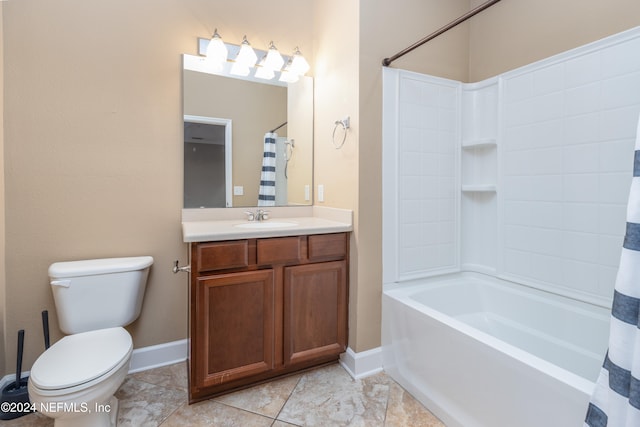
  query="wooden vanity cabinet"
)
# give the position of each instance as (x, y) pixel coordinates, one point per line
(260, 308)
(314, 311)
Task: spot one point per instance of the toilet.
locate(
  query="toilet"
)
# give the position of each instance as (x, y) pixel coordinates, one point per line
(74, 381)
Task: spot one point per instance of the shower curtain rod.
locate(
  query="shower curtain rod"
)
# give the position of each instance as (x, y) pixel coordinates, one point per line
(387, 61)
(273, 130)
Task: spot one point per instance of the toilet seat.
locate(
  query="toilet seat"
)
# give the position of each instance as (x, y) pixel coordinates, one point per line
(80, 359)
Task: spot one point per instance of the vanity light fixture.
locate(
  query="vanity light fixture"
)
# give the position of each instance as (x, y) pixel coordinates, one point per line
(273, 59)
(287, 75)
(263, 71)
(240, 59)
(246, 57)
(216, 50)
(299, 65)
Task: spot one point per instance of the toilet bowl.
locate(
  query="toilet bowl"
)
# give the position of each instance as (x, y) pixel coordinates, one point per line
(74, 381)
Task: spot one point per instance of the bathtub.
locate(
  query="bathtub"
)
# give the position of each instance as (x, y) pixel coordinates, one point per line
(479, 351)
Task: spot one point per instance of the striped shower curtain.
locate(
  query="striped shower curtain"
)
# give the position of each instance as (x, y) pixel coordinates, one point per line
(616, 399)
(267, 192)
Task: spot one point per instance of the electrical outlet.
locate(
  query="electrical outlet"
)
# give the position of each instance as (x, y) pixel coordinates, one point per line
(307, 192)
(320, 193)
(238, 190)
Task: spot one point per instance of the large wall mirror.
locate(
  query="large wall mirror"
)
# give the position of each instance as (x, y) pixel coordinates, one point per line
(226, 121)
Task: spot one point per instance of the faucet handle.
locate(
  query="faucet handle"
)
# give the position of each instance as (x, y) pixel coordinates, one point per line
(261, 215)
(250, 215)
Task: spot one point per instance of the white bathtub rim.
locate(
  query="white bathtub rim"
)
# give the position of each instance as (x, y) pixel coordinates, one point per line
(504, 278)
(417, 281)
(410, 286)
(555, 289)
(582, 384)
(407, 289)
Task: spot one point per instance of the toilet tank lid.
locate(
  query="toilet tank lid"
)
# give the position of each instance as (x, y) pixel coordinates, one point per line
(91, 267)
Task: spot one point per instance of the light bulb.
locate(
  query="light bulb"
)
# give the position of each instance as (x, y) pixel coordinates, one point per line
(286, 75)
(273, 59)
(216, 50)
(299, 65)
(246, 57)
(264, 72)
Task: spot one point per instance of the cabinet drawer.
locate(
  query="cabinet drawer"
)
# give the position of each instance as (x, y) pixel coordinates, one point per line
(327, 245)
(278, 250)
(222, 255)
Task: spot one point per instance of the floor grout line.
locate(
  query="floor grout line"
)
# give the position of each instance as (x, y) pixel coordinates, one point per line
(172, 412)
(394, 410)
(239, 409)
(386, 406)
(293, 390)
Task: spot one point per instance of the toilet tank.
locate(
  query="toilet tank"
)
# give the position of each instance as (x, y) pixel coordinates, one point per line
(98, 293)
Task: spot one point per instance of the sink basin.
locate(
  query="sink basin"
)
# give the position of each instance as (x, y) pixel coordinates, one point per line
(266, 224)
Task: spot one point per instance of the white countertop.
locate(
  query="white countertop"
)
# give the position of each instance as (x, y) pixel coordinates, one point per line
(223, 224)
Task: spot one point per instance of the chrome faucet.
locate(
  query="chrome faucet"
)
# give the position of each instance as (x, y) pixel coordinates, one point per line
(262, 215)
(259, 215)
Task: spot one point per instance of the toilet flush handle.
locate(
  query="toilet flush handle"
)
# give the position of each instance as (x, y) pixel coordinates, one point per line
(61, 283)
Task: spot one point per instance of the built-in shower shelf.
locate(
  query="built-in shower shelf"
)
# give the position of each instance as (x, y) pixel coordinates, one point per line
(477, 143)
(482, 188)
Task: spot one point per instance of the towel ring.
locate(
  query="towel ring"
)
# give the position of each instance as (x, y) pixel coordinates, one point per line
(345, 123)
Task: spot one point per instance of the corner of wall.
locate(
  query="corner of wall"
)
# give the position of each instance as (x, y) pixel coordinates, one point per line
(2, 206)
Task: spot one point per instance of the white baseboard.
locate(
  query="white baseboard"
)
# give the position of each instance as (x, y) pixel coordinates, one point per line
(358, 365)
(142, 359)
(155, 356)
(363, 364)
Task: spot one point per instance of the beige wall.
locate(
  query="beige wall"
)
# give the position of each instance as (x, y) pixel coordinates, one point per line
(380, 37)
(3, 335)
(514, 33)
(93, 125)
(336, 97)
(389, 28)
(93, 131)
(349, 48)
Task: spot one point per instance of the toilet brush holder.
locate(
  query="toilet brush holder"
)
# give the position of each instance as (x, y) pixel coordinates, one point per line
(14, 401)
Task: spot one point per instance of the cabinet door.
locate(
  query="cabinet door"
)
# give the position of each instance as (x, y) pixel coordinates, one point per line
(315, 311)
(233, 327)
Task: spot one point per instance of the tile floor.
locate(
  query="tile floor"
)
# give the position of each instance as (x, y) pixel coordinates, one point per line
(326, 396)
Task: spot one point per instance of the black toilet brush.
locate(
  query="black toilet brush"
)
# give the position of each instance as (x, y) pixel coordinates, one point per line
(45, 328)
(14, 401)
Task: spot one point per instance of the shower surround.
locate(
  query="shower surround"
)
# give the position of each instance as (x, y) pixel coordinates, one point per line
(523, 177)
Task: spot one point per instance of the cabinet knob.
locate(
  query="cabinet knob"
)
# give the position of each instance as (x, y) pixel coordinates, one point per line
(177, 269)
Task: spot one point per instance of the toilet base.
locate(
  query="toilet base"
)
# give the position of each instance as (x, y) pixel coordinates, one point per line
(105, 415)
